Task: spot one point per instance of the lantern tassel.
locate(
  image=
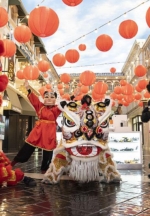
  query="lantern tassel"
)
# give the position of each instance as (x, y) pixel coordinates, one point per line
(1, 47)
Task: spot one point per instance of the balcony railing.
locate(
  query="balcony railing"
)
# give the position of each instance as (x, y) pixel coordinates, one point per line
(100, 74)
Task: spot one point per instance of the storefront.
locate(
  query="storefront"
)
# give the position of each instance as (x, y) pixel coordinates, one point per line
(125, 144)
(19, 120)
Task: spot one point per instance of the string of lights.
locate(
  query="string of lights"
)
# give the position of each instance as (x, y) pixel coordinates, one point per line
(100, 26)
(94, 65)
(40, 3)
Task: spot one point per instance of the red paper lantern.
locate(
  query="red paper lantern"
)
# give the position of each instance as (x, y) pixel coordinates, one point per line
(140, 71)
(123, 82)
(100, 88)
(118, 90)
(31, 72)
(129, 98)
(3, 82)
(84, 89)
(138, 96)
(9, 48)
(148, 17)
(65, 78)
(59, 86)
(66, 96)
(78, 97)
(1, 47)
(128, 29)
(112, 70)
(113, 96)
(45, 75)
(125, 103)
(72, 55)
(3, 17)
(48, 86)
(119, 96)
(61, 91)
(142, 84)
(19, 74)
(82, 47)
(87, 78)
(104, 43)
(97, 97)
(59, 59)
(42, 90)
(43, 21)
(140, 104)
(22, 34)
(147, 94)
(138, 89)
(120, 101)
(128, 89)
(72, 3)
(43, 65)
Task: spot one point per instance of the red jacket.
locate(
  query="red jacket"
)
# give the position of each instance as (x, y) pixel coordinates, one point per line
(43, 135)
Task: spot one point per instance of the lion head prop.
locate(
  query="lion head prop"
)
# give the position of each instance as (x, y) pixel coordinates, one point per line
(83, 152)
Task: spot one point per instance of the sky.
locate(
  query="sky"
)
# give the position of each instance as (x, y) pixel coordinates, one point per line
(74, 22)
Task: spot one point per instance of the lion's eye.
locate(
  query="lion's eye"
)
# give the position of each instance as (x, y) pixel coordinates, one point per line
(69, 123)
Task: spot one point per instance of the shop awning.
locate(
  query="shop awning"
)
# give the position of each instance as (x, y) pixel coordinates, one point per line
(14, 101)
(27, 108)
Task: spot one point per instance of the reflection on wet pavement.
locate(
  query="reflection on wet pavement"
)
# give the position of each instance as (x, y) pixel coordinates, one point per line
(71, 198)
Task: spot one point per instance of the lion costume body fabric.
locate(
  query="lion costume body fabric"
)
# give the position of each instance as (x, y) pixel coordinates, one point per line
(83, 152)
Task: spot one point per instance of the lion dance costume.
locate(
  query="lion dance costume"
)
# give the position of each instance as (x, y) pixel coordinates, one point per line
(9, 177)
(83, 152)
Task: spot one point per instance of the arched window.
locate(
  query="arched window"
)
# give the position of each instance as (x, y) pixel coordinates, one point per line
(110, 85)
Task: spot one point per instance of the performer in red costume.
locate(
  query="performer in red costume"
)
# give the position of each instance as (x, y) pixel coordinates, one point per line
(43, 135)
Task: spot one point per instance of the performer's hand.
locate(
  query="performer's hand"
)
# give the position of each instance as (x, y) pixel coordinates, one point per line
(26, 84)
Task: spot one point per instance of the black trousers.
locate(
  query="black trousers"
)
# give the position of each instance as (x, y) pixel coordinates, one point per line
(27, 150)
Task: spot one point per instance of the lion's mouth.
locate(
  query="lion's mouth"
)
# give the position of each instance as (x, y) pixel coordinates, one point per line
(84, 150)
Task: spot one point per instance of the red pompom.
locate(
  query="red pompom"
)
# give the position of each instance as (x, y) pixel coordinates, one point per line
(3, 82)
(1, 47)
(19, 175)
